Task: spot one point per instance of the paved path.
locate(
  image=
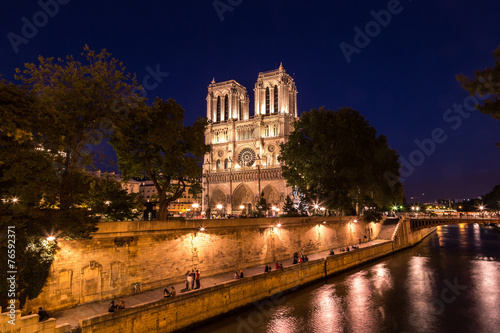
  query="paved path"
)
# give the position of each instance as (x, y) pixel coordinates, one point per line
(73, 315)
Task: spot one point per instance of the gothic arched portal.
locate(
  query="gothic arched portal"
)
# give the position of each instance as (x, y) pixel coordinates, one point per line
(271, 195)
(243, 195)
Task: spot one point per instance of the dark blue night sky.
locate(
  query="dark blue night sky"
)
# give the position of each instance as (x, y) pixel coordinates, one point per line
(402, 80)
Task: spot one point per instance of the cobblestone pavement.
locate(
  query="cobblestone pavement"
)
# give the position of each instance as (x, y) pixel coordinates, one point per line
(72, 316)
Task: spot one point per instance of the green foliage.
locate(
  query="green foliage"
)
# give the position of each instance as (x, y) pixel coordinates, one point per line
(153, 142)
(261, 207)
(289, 207)
(372, 216)
(108, 199)
(492, 199)
(48, 128)
(337, 158)
(486, 84)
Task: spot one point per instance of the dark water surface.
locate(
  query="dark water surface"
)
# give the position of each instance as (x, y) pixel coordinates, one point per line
(448, 283)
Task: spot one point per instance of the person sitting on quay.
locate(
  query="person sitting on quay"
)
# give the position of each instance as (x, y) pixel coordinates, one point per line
(306, 259)
(172, 292)
(112, 307)
(166, 293)
(277, 266)
(241, 274)
(121, 305)
(42, 314)
(236, 275)
(348, 249)
(267, 269)
(331, 252)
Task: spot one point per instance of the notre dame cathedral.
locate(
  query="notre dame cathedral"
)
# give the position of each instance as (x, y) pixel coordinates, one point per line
(243, 161)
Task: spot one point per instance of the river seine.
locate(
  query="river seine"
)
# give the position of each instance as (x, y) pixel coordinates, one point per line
(450, 282)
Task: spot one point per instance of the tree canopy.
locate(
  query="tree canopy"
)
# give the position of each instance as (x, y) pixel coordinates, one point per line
(335, 158)
(153, 142)
(484, 86)
(49, 126)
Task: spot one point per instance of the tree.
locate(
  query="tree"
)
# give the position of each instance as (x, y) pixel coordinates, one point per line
(484, 88)
(108, 199)
(492, 199)
(261, 206)
(49, 126)
(289, 207)
(153, 142)
(337, 158)
(80, 104)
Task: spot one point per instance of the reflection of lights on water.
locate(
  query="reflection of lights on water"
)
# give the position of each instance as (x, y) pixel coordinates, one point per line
(327, 310)
(361, 312)
(485, 277)
(419, 282)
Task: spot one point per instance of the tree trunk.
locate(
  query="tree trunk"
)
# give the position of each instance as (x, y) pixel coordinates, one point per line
(163, 210)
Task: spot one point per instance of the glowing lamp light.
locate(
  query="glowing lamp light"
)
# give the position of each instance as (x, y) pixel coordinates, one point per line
(107, 202)
(278, 225)
(219, 206)
(322, 208)
(355, 221)
(202, 228)
(273, 208)
(481, 207)
(316, 206)
(15, 200)
(195, 205)
(242, 207)
(51, 238)
(324, 222)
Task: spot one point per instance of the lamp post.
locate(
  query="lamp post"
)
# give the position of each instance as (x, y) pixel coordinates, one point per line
(482, 210)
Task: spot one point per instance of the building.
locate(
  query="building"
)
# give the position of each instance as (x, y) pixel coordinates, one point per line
(185, 205)
(243, 160)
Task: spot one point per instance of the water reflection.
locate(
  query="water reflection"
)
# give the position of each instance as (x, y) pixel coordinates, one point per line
(360, 306)
(486, 278)
(284, 321)
(420, 284)
(327, 315)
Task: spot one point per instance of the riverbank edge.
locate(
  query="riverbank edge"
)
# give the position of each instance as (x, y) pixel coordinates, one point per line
(185, 312)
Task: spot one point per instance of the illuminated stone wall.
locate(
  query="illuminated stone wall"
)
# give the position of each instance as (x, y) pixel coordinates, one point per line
(13, 322)
(155, 254)
(167, 315)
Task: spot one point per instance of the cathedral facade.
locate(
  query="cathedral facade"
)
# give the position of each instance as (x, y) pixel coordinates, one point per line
(243, 160)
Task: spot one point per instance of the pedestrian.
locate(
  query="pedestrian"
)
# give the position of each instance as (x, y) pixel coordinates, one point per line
(266, 270)
(112, 307)
(197, 279)
(166, 293)
(193, 276)
(172, 292)
(121, 304)
(277, 266)
(236, 275)
(364, 239)
(281, 265)
(241, 274)
(187, 280)
(42, 314)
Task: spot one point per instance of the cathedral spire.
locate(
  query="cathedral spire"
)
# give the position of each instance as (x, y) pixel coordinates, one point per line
(281, 68)
(213, 80)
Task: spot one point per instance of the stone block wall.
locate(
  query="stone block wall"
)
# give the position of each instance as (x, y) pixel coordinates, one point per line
(14, 323)
(152, 254)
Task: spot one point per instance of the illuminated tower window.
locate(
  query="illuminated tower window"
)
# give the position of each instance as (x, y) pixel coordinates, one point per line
(218, 109)
(268, 107)
(275, 99)
(226, 108)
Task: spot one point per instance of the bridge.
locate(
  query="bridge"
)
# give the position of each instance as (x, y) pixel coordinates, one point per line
(417, 223)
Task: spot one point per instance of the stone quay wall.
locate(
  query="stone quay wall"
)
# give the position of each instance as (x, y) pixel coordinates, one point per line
(168, 315)
(152, 254)
(14, 323)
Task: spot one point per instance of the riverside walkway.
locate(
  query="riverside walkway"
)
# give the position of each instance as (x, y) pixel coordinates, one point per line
(72, 316)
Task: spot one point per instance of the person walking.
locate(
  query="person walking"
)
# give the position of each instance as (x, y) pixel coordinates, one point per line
(189, 281)
(197, 279)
